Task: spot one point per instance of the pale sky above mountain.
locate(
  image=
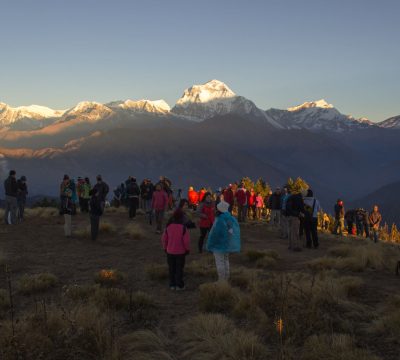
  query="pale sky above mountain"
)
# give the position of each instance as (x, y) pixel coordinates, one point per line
(278, 53)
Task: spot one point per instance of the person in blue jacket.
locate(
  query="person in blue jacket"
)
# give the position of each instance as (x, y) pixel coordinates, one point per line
(223, 239)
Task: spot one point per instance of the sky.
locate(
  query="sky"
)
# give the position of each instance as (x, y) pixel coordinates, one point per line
(278, 53)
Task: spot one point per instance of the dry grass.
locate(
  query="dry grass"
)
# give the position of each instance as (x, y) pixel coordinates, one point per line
(243, 277)
(3, 258)
(107, 228)
(79, 292)
(52, 333)
(42, 212)
(262, 259)
(157, 272)
(205, 267)
(4, 300)
(109, 277)
(358, 257)
(83, 232)
(333, 347)
(135, 231)
(31, 284)
(110, 299)
(217, 297)
(213, 336)
(144, 345)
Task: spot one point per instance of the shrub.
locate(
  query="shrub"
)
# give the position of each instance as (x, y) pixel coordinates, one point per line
(156, 272)
(213, 336)
(111, 299)
(205, 267)
(30, 284)
(109, 277)
(332, 347)
(145, 345)
(142, 307)
(135, 231)
(217, 297)
(243, 277)
(79, 292)
(266, 262)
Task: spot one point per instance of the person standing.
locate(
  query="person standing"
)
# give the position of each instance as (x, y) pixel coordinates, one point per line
(11, 191)
(224, 238)
(159, 204)
(206, 213)
(242, 202)
(259, 206)
(338, 226)
(275, 206)
(375, 219)
(102, 189)
(95, 212)
(284, 219)
(251, 211)
(294, 211)
(176, 244)
(312, 207)
(133, 192)
(193, 197)
(67, 210)
(86, 188)
(21, 197)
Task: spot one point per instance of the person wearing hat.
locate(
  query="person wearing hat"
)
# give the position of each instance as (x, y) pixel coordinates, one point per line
(223, 239)
(21, 197)
(176, 244)
(11, 191)
(133, 192)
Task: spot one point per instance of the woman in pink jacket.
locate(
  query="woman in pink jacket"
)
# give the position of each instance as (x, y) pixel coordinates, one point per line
(259, 206)
(176, 244)
(159, 204)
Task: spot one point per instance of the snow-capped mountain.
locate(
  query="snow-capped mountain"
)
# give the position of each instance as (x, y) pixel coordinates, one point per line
(213, 98)
(144, 106)
(33, 115)
(90, 111)
(317, 116)
(391, 123)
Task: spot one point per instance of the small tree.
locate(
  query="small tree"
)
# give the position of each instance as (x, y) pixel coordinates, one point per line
(297, 186)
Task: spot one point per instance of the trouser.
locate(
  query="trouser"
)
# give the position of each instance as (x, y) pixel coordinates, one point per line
(338, 225)
(133, 205)
(284, 226)
(67, 225)
(375, 234)
(242, 212)
(10, 215)
(222, 264)
(146, 205)
(176, 264)
(21, 209)
(294, 237)
(85, 205)
(159, 215)
(258, 213)
(311, 230)
(94, 226)
(275, 217)
(203, 234)
(251, 212)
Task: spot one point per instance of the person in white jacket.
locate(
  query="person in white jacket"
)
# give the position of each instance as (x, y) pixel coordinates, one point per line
(312, 208)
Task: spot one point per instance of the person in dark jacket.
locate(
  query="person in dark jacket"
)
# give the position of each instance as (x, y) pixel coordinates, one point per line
(295, 211)
(133, 192)
(102, 189)
(11, 191)
(21, 197)
(96, 211)
(275, 206)
(362, 222)
(146, 194)
(375, 219)
(338, 226)
(312, 208)
(350, 217)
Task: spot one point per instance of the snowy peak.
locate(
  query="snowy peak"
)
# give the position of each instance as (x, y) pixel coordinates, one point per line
(391, 123)
(40, 111)
(151, 106)
(322, 104)
(210, 91)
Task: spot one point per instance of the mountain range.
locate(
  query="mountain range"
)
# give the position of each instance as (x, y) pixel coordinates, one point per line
(211, 137)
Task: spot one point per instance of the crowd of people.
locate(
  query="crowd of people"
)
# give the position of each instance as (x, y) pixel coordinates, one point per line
(297, 215)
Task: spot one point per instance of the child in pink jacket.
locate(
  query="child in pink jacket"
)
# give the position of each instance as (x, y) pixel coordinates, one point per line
(259, 206)
(176, 243)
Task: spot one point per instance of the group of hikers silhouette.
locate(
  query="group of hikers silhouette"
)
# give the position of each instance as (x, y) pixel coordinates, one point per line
(297, 215)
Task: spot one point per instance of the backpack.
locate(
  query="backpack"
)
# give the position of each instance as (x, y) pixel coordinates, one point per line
(309, 211)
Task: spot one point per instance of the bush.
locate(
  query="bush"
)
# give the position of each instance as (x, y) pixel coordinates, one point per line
(109, 277)
(135, 231)
(243, 277)
(213, 336)
(205, 267)
(79, 292)
(111, 299)
(142, 307)
(332, 347)
(31, 284)
(157, 272)
(217, 297)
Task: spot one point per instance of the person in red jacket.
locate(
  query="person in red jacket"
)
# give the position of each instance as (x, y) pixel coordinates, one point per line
(193, 198)
(251, 200)
(229, 197)
(242, 203)
(159, 204)
(202, 193)
(176, 244)
(206, 213)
